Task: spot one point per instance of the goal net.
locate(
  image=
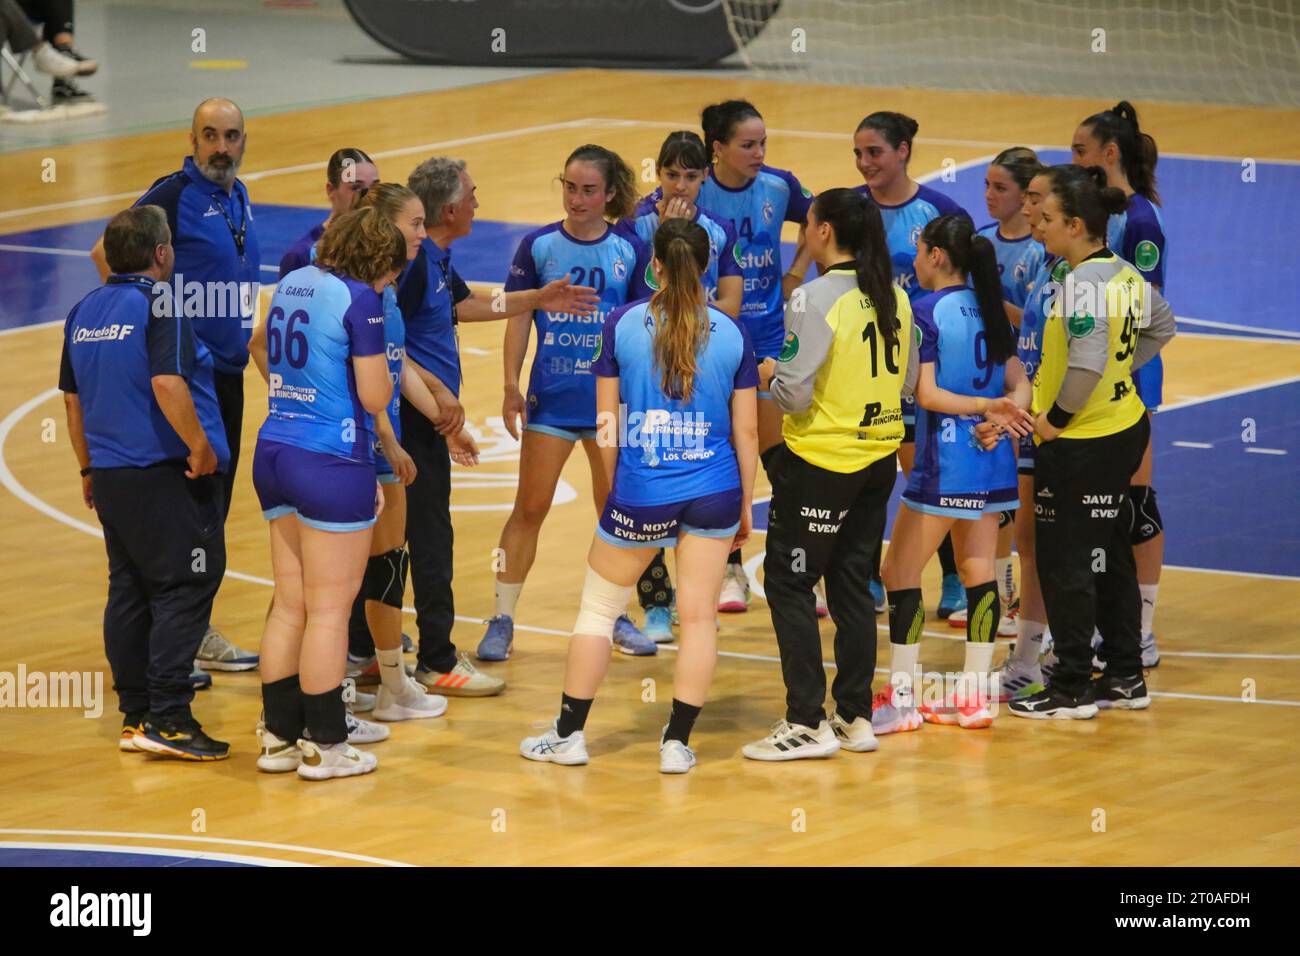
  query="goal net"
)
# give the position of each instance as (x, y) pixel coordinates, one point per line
(1226, 51)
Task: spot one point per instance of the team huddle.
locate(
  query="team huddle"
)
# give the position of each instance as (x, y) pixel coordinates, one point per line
(1003, 368)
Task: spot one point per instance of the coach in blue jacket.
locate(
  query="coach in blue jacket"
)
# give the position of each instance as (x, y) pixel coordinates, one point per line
(216, 278)
(146, 427)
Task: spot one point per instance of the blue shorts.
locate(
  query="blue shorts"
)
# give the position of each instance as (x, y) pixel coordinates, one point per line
(909, 419)
(657, 526)
(969, 505)
(569, 434)
(1026, 450)
(325, 491)
(1149, 381)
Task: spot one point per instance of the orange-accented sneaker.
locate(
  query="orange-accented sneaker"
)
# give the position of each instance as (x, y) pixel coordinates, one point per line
(966, 709)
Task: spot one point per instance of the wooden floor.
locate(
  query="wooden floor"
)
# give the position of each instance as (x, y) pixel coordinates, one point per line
(1202, 778)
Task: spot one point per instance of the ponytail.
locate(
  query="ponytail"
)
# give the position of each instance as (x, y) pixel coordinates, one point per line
(974, 256)
(1137, 150)
(858, 228)
(682, 248)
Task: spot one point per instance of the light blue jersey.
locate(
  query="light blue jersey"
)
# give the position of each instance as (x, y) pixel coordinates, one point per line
(1018, 262)
(903, 226)
(318, 321)
(670, 450)
(950, 463)
(1029, 341)
(724, 252)
(561, 389)
(757, 211)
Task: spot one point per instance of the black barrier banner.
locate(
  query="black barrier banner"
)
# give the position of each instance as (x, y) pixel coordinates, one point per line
(604, 33)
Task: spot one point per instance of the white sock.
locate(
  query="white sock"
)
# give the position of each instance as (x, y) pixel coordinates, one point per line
(979, 655)
(1006, 579)
(1029, 643)
(904, 660)
(507, 597)
(392, 672)
(1148, 607)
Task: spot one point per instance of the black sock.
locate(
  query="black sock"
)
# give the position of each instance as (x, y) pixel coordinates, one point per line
(906, 616)
(282, 708)
(680, 721)
(947, 560)
(326, 716)
(734, 558)
(655, 588)
(983, 613)
(573, 715)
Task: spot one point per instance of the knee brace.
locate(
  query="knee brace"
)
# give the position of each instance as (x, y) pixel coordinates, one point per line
(1146, 521)
(385, 579)
(1005, 518)
(602, 603)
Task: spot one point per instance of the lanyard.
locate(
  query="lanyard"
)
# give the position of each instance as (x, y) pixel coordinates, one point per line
(237, 236)
(444, 265)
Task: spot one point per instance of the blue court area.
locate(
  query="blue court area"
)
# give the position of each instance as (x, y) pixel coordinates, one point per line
(42, 856)
(1225, 508)
(1227, 504)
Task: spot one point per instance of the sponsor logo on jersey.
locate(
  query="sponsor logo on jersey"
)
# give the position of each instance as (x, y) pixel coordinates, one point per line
(768, 210)
(620, 269)
(1147, 255)
(600, 347)
(650, 277)
(1080, 324)
(1060, 271)
(1020, 271)
(109, 333)
(212, 211)
(790, 349)
(915, 237)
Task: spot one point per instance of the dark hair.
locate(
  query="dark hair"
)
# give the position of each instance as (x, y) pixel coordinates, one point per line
(618, 178)
(973, 255)
(1021, 164)
(1082, 193)
(1137, 150)
(347, 156)
(719, 120)
(858, 228)
(362, 244)
(682, 248)
(683, 148)
(131, 237)
(896, 128)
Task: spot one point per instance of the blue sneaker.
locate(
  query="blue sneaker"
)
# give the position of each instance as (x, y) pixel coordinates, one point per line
(877, 590)
(953, 597)
(408, 645)
(629, 639)
(498, 640)
(200, 679)
(657, 626)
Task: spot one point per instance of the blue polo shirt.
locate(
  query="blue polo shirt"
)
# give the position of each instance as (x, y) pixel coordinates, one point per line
(205, 222)
(114, 341)
(427, 293)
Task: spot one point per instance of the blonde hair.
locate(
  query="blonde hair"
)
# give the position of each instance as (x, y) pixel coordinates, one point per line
(682, 248)
(362, 244)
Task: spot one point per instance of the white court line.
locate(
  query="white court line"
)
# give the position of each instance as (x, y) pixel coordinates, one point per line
(1231, 393)
(149, 851)
(1191, 444)
(308, 167)
(1266, 451)
(1235, 327)
(186, 838)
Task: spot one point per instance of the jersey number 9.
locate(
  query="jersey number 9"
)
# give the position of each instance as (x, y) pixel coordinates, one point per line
(1127, 337)
(293, 341)
(982, 360)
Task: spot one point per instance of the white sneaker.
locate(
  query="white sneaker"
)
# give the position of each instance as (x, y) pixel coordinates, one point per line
(412, 704)
(855, 735)
(789, 741)
(365, 731)
(1012, 677)
(735, 590)
(326, 761)
(819, 594)
(675, 756)
(550, 747)
(51, 61)
(361, 703)
(278, 756)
